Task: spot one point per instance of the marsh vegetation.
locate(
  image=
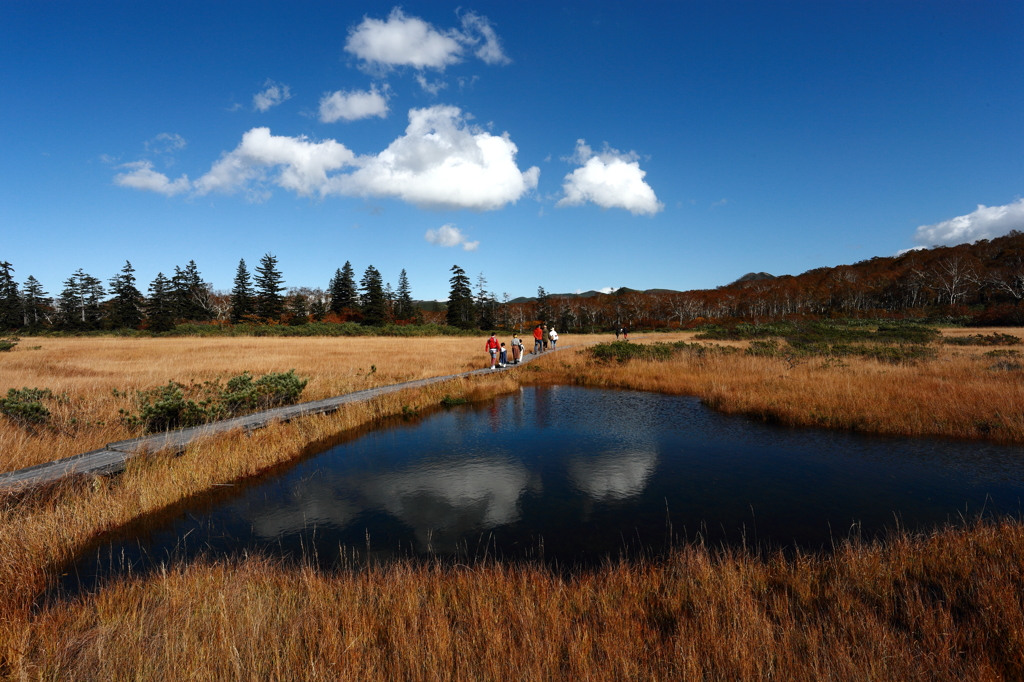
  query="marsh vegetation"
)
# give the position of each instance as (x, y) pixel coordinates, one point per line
(945, 605)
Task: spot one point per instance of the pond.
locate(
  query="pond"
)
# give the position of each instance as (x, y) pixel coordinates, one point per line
(574, 476)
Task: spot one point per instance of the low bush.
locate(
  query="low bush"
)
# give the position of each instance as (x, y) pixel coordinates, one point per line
(25, 406)
(995, 339)
(8, 344)
(179, 406)
(824, 332)
(623, 351)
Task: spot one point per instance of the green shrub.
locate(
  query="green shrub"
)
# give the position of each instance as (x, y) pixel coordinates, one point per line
(7, 344)
(179, 406)
(449, 401)
(765, 349)
(623, 351)
(25, 407)
(899, 354)
(995, 339)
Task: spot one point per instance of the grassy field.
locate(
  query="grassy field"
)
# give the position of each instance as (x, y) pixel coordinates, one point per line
(88, 371)
(945, 606)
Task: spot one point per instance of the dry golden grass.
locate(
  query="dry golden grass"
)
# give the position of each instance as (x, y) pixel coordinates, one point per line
(89, 369)
(959, 394)
(944, 607)
(42, 531)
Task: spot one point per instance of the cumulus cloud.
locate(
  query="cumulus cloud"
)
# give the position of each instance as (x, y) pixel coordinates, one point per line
(302, 166)
(140, 175)
(272, 95)
(402, 40)
(353, 105)
(987, 222)
(440, 162)
(449, 235)
(611, 179)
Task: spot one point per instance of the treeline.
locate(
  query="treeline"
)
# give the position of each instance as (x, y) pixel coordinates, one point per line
(973, 284)
(256, 299)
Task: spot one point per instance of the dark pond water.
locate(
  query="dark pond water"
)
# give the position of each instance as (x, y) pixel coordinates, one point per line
(575, 475)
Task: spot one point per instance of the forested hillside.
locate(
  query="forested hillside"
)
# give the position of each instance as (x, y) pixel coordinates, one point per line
(972, 284)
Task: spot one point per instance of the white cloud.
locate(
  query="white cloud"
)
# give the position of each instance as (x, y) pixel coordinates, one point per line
(448, 236)
(477, 30)
(610, 179)
(720, 202)
(432, 87)
(166, 143)
(441, 162)
(353, 105)
(402, 40)
(272, 95)
(987, 222)
(304, 164)
(142, 176)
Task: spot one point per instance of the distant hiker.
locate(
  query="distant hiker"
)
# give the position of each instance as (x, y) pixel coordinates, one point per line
(517, 349)
(554, 337)
(538, 335)
(547, 337)
(625, 333)
(503, 359)
(492, 347)
(618, 331)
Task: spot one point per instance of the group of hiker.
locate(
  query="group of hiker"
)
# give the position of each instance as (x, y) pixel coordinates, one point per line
(543, 339)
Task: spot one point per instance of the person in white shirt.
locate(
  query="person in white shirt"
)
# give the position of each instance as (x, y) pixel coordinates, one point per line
(554, 338)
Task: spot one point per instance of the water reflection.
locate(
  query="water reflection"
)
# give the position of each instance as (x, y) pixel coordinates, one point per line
(614, 475)
(578, 475)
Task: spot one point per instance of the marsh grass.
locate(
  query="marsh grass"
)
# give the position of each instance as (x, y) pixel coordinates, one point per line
(100, 377)
(943, 606)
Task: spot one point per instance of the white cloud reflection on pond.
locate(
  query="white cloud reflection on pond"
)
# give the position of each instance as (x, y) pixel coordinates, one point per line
(437, 500)
(613, 475)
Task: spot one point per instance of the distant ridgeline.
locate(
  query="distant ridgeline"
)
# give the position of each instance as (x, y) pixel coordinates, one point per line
(971, 284)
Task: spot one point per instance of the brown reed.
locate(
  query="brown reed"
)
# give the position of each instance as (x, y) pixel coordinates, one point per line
(945, 606)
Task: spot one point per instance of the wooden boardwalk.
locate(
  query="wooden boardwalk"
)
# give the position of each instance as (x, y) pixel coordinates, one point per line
(112, 458)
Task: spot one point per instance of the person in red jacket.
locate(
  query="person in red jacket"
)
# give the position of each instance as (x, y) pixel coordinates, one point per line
(538, 335)
(492, 347)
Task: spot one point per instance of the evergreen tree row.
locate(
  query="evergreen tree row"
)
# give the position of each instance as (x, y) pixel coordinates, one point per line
(86, 304)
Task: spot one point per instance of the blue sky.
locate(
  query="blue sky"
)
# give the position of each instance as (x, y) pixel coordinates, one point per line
(572, 146)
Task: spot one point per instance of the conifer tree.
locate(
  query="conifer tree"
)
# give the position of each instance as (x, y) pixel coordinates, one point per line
(460, 300)
(242, 296)
(343, 290)
(70, 304)
(543, 305)
(269, 285)
(126, 306)
(404, 308)
(10, 300)
(160, 304)
(34, 303)
(81, 301)
(372, 302)
(485, 304)
(190, 295)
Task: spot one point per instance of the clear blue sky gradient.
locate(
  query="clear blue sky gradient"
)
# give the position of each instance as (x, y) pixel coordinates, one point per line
(779, 137)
